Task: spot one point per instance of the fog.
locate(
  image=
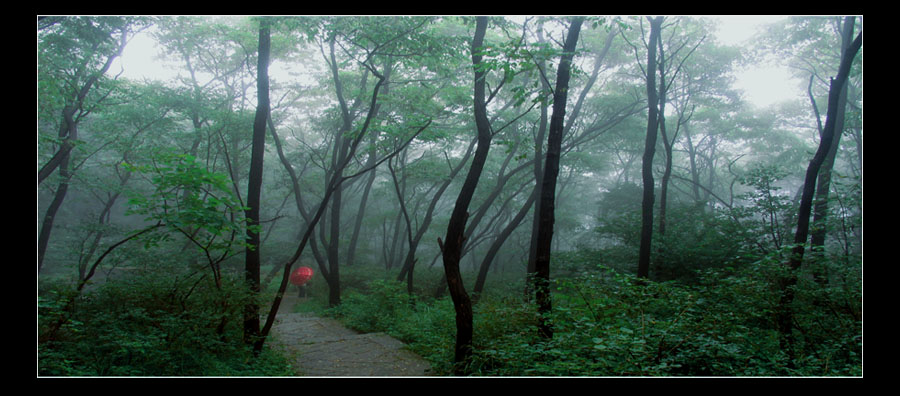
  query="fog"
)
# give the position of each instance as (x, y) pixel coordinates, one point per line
(419, 160)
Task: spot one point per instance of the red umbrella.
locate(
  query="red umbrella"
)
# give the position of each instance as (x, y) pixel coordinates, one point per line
(301, 275)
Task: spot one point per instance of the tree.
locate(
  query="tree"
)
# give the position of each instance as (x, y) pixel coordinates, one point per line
(370, 47)
(649, 150)
(669, 68)
(254, 187)
(452, 245)
(785, 317)
(442, 186)
(812, 46)
(93, 43)
(820, 208)
(548, 182)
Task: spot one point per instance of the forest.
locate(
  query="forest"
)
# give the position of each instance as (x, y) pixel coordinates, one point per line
(519, 196)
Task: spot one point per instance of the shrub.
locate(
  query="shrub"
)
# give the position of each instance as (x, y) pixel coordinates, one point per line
(609, 323)
(149, 324)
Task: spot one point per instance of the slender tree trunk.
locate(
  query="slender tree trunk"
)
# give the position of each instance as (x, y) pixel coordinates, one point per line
(649, 150)
(452, 245)
(429, 213)
(785, 314)
(360, 214)
(254, 188)
(548, 184)
(333, 250)
(53, 209)
(68, 133)
(820, 208)
(411, 253)
(69, 127)
(370, 161)
(538, 177)
(667, 173)
(334, 183)
(498, 242)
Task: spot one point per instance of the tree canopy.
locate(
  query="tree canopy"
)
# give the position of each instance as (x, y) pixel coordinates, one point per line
(598, 180)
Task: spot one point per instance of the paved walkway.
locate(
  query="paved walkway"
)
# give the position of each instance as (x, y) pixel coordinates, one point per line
(323, 347)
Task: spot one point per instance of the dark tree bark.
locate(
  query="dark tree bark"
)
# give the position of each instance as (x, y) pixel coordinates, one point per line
(539, 146)
(72, 113)
(254, 187)
(785, 315)
(452, 245)
(820, 208)
(649, 150)
(538, 177)
(53, 209)
(69, 127)
(551, 172)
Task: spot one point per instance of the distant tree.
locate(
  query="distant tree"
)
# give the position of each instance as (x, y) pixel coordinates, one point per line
(441, 186)
(346, 151)
(670, 67)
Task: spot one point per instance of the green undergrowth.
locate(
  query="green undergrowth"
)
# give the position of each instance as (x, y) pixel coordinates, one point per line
(154, 323)
(608, 323)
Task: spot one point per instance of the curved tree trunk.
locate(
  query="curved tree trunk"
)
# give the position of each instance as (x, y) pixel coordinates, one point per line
(452, 245)
(68, 133)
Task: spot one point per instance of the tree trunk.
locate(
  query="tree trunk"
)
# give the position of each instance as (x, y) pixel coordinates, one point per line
(333, 184)
(68, 133)
(429, 213)
(410, 262)
(820, 209)
(498, 242)
(361, 212)
(649, 150)
(254, 187)
(370, 162)
(667, 145)
(53, 209)
(785, 316)
(548, 184)
(333, 252)
(538, 177)
(451, 247)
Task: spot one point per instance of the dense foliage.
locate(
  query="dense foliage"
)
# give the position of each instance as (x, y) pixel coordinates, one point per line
(158, 320)
(717, 319)
(143, 194)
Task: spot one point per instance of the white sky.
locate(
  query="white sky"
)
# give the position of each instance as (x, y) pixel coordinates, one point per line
(763, 85)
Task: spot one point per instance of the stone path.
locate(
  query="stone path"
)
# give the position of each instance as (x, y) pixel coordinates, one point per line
(324, 347)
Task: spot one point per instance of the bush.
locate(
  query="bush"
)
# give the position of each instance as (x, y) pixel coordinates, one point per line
(177, 324)
(609, 323)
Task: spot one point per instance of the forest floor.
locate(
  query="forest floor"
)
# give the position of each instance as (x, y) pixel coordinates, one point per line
(323, 347)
